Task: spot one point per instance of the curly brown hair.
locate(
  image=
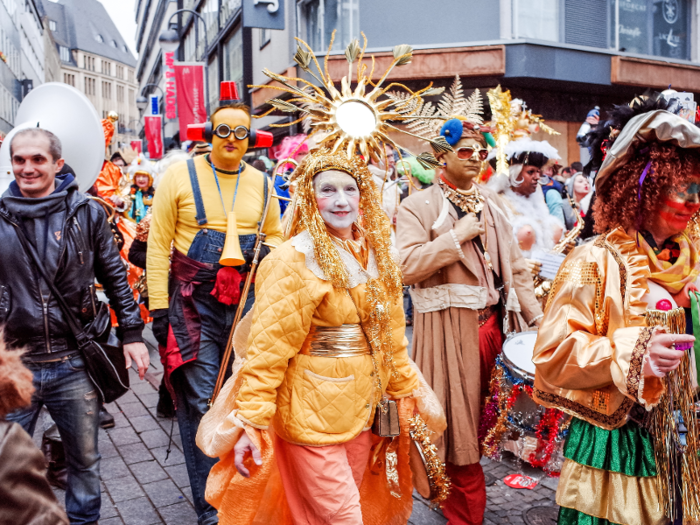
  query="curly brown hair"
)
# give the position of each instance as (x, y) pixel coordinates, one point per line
(617, 203)
(16, 386)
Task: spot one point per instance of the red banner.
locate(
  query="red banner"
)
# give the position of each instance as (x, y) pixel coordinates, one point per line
(136, 146)
(191, 94)
(154, 136)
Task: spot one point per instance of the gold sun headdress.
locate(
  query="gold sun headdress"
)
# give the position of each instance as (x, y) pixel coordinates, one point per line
(353, 120)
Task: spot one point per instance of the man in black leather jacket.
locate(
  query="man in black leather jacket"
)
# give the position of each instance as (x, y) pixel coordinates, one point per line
(71, 234)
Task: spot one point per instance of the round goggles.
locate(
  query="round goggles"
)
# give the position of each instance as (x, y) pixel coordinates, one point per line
(467, 153)
(223, 131)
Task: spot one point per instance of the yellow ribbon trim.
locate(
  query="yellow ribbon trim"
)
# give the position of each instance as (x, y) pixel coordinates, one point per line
(627, 500)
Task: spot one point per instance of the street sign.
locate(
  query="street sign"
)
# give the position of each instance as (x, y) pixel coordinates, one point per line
(265, 14)
(153, 104)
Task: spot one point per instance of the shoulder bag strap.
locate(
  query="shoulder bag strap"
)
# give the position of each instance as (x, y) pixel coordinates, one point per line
(75, 327)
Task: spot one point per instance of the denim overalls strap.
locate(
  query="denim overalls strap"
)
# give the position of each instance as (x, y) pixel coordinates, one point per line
(198, 202)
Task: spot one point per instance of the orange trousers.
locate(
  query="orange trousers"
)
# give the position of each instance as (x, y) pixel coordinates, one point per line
(322, 483)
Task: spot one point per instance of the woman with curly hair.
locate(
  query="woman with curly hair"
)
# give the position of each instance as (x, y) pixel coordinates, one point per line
(600, 356)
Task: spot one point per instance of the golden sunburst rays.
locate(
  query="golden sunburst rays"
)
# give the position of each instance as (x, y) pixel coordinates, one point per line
(352, 120)
(503, 124)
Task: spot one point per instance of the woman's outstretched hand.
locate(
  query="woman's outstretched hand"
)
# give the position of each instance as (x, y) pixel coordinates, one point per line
(241, 449)
(663, 357)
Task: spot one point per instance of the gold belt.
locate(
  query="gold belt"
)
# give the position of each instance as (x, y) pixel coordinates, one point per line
(347, 340)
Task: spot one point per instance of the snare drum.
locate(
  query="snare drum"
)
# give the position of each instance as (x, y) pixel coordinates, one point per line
(519, 369)
(517, 355)
(513, 417)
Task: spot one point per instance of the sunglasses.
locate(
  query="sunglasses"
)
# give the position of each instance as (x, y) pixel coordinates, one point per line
(468, 153)
(223, 131)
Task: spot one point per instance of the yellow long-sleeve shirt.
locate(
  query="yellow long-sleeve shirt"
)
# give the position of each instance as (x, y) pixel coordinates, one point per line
(174, 214)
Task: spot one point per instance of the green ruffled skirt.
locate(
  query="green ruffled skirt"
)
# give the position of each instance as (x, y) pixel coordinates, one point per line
(627, 450)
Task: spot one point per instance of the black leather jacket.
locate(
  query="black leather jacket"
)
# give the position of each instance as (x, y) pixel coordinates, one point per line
(86, 250)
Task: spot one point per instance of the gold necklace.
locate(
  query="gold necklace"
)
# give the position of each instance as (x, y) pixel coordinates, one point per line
(470, 201)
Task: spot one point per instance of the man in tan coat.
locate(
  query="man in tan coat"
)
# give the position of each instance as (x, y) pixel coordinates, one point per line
(458, 253)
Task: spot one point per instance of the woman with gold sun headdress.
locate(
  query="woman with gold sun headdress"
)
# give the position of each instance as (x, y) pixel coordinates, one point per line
(313, 426)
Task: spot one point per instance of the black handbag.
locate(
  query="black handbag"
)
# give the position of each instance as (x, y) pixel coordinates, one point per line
(100, 349)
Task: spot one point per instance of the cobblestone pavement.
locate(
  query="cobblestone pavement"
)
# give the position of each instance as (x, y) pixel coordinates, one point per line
(141, 487)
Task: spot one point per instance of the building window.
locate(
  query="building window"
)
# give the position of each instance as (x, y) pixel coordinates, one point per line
(319, 18)
(120, 93)
(106, 68)
(265, 37)
(89, 63)
(107, 90)
(99, 38)
(52, 25)
(131, 75)
(69, 79)
(90, 86)
(11, 6)
(8, 106)
(233, 58)
(210, 13)
(213, 71)
(64, 53)
(537, 19)
(12, 56)
(131, 97)
(114, 44)
(120, 72)
(654, 27)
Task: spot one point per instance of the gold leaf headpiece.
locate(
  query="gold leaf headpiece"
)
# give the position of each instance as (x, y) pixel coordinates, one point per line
(510, 121)
(426, 119)
(350, 120)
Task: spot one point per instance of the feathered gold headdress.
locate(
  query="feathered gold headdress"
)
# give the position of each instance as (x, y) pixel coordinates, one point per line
(426, 119)
(511, 120)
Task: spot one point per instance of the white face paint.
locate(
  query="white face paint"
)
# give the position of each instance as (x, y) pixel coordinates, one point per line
(338, 200)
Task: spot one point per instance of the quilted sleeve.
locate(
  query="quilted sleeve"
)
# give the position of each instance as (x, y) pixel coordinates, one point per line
(406, 380)
(281, 321)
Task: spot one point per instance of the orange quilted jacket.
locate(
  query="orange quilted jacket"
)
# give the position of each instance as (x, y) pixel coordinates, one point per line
(311, 400)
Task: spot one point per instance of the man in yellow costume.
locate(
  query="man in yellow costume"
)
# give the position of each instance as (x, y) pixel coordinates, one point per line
(191, 210)
(612, 350)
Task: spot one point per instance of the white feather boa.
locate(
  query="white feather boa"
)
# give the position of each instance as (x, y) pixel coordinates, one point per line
(532, 211)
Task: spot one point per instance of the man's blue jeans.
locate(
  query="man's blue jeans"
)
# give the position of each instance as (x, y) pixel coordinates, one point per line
(71, 399)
